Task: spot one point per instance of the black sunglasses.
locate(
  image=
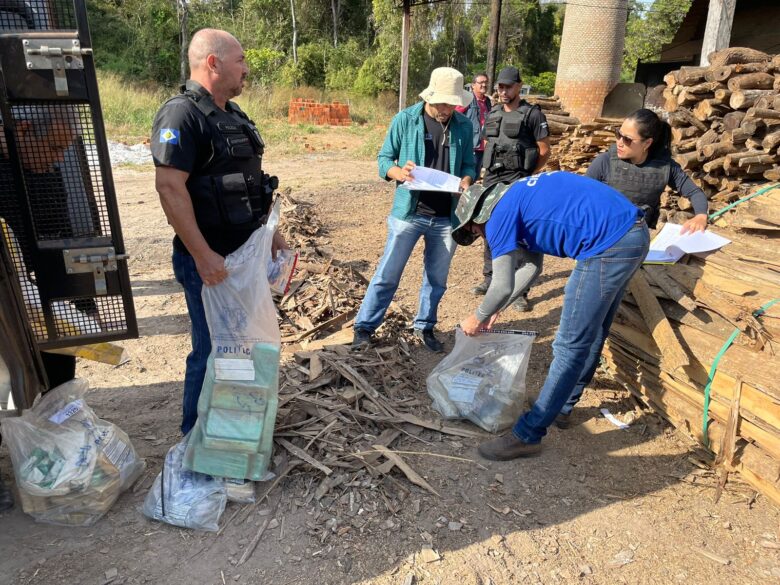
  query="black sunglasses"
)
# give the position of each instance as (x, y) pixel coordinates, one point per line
(627, 140)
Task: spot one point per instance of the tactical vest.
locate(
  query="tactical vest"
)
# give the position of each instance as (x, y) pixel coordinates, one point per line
(230, 190)
(511, 148)
(642, 185)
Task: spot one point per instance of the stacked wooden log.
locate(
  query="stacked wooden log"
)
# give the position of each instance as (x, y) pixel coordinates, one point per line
(559, 122)
(578, 147)
(673, 324)
(725, 121)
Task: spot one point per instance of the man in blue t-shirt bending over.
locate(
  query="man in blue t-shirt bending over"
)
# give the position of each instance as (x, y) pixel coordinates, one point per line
(563, 215)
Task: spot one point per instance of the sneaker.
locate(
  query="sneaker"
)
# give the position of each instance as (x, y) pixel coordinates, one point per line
(507, 447)
(522, 304)
(429, 340)
(362, 339)
(481, 288)
(6, 497)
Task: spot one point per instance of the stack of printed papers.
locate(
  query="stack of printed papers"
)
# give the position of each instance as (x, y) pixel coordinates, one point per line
(426, 179)
(670, 245)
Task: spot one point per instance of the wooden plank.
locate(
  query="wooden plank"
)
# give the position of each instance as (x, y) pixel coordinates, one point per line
(301, 454)
(106, 353)
(669, 286)
(674, 355)
(337, 320)
(410, 473)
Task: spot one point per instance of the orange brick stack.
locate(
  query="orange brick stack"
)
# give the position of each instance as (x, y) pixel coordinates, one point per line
(308, 111)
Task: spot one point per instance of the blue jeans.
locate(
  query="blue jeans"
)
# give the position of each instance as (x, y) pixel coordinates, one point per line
(401, 238)
(187, 275)
(591, 299)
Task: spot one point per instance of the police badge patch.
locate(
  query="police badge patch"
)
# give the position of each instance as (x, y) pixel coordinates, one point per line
(169, 136)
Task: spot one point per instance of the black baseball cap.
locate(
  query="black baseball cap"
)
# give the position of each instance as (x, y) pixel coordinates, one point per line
(508, 76)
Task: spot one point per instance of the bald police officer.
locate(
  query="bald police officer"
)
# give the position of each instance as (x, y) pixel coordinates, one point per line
(208, 155)
(517, 146)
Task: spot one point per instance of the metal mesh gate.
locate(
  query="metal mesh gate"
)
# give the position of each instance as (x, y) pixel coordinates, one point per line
(58, 207)
(37, 15)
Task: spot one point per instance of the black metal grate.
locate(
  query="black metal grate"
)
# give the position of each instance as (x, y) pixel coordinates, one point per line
(37, 15)
(18, 248)
(89, 316)
(62, 188)
(56, 143)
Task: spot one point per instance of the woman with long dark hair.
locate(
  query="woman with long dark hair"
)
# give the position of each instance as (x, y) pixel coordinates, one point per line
(640, 166)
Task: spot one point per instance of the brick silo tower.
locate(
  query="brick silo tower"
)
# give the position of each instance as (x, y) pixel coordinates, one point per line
(594, 32)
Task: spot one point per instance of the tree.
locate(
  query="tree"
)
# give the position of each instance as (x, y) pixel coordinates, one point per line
(338, 44)
(647, 30)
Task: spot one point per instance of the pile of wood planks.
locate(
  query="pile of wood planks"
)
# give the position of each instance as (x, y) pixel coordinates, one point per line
(577, 148)
(340, 411)
(559, 122)
(725, 121)
(674, 323)
(324, 294)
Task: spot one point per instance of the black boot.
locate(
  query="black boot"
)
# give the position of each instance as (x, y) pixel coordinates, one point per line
(430, 341)
(362, 339)
(563, 421)
(507, 447)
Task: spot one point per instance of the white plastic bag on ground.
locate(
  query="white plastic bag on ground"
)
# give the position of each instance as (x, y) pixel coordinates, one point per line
(70, 466)
(185, 498)
(483, 378)
(240, 310)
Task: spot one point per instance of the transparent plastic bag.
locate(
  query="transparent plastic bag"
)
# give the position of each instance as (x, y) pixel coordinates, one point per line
(70, 466)
(483, 378)
(240, 491)
(185, 498)
(233, 436)
(240, 310)
(280, 271)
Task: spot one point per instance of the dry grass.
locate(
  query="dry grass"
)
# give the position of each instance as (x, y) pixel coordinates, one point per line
(129, 109)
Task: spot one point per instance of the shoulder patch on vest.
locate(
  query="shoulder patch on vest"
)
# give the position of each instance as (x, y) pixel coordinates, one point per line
(169, 136)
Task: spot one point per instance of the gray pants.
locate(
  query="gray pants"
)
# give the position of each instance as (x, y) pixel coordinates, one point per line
(529, 266)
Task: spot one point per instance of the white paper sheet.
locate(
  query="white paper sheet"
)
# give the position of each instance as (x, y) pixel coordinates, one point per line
(234, 369)
(669, 245)
(614, 420)
(426, 179)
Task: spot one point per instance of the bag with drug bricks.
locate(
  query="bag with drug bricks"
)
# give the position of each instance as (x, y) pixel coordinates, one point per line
(233, 436)
(483, 378)
(70, 466)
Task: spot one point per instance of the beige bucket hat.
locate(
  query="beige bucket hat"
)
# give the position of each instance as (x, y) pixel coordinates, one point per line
(446, 87)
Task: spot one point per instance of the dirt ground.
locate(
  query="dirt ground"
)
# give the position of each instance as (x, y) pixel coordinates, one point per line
(600, 505)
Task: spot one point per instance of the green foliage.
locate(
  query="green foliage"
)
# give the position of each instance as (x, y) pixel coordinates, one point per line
(136, 37)
(343, 64)
(544, 83)
(378, 73)
(360, 51)
(532, 35)
(310, 68)
(263, 64)
(647, 31)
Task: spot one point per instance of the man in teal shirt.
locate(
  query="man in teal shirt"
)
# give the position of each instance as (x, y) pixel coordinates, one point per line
(431, 134)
